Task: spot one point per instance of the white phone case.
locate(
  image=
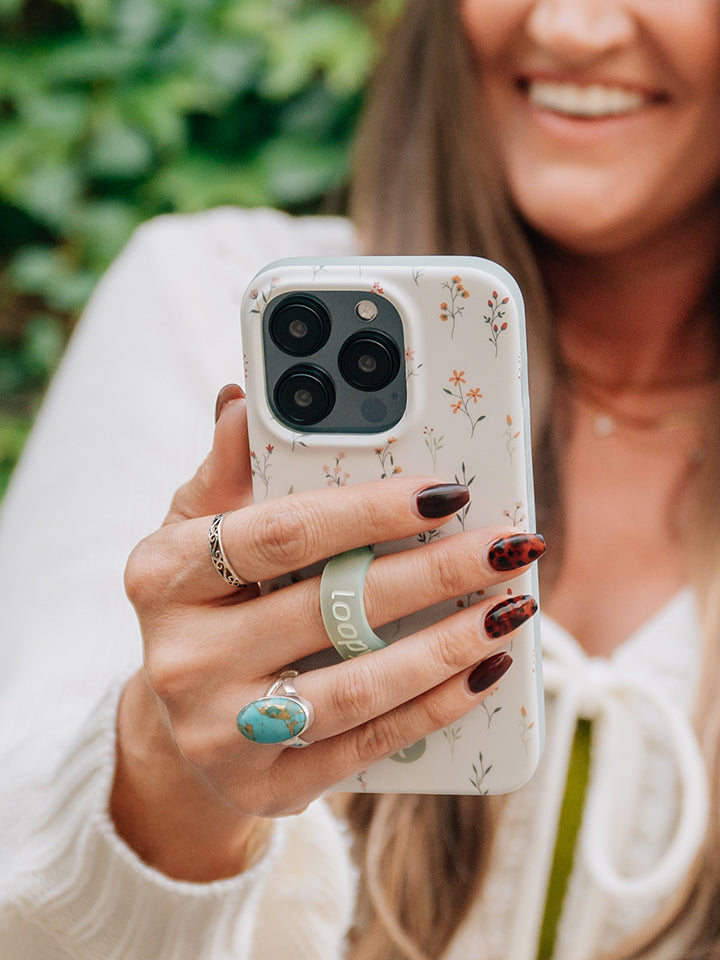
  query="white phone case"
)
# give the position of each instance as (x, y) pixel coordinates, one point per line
(466, 420)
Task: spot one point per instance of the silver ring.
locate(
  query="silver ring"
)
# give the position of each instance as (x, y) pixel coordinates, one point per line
(218, 557)
(279, 717)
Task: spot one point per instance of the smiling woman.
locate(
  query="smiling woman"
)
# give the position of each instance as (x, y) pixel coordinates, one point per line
(606, 115)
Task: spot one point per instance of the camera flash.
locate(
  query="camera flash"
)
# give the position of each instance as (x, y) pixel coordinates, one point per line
(366, 310)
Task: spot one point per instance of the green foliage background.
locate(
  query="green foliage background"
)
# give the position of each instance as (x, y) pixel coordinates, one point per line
(113, 111)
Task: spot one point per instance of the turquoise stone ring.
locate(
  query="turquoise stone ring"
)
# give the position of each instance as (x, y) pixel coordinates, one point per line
(279, 717)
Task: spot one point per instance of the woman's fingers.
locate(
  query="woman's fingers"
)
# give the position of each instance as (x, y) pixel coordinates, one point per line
(356, 691)
(286, 626)
(223, 480)
(268, 540)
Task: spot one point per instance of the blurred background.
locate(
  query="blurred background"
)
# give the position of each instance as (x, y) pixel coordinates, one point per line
(114, 111)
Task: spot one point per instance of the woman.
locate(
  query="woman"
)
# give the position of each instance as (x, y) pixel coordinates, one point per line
(578, 143)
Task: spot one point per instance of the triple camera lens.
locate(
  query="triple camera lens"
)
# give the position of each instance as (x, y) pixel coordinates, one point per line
(369, 361)
(305, 394)
(300, 326)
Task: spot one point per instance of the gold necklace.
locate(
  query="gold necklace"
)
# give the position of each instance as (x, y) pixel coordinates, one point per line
(608, 417)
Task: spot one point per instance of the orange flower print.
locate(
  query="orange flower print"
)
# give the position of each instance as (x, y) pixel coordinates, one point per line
(511, 435)
(384, 454)
(461, 400)
(451, 310)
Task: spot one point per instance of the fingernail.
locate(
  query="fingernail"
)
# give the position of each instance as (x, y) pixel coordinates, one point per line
(231, 391)
(507, 615)
(441, 500)
(489, 672)
(509, 553)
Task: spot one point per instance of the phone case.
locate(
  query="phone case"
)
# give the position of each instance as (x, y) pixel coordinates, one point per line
(466, 420)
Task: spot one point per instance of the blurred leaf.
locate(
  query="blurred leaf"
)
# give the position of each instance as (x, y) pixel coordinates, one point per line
(299, 169)
(43, 346)
(44, 271)
(118, 150)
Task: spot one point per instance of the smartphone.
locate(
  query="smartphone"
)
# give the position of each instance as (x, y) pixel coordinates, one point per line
(364, 368)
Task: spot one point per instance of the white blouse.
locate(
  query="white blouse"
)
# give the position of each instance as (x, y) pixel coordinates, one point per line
(128, 418)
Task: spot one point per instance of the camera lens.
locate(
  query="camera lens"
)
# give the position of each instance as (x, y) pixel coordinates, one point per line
(299, 325)
(369, 361)
(305, 395)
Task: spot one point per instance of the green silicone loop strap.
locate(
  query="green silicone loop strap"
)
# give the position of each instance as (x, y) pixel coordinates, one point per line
(341, 604)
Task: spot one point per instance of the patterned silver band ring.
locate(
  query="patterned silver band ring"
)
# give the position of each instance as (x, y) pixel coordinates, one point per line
(217, 555)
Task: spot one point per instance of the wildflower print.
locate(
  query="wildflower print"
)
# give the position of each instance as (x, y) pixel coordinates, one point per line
(411, 370)
(495, 320)
(377, 288)
(517, 516)
(261, 466)
(480, 771)
(525, 727)
(452, 734)
(510, 437)
(452, 309)
(488, 712)
(461, 515)
(469, 599)
(360, 777)
(260, 299)
(387, 462)
(417, 274)
(434, 443)
(316, 270)
(335, 476)
(427, 536)
(298, 441)
(462, 400)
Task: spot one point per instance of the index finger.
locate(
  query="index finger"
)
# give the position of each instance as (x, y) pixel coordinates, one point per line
(269, 539)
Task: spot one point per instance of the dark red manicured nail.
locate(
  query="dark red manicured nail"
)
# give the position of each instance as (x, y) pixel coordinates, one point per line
(509, 553)
(231, 391)
(489, 672)
(442, 500)
(505, 616)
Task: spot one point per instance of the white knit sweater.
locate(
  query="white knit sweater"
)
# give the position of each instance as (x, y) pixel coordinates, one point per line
(129, 417)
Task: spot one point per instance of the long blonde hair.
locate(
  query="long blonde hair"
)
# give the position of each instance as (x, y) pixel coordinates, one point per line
(427, 181)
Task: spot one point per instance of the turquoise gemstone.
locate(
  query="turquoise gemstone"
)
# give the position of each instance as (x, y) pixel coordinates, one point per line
(272, 720)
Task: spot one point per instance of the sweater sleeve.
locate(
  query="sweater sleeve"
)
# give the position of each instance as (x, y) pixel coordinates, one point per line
(128, 418)
(72, 889)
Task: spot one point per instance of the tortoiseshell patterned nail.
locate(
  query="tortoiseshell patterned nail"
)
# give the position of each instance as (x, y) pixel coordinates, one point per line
(509, 553)
(507, 615)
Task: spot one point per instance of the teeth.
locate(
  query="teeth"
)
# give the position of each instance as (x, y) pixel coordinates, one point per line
(588, 101)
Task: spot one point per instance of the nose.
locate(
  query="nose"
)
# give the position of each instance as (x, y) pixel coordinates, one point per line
(579, 29)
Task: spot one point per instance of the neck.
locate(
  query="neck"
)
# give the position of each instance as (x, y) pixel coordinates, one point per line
(641, 317)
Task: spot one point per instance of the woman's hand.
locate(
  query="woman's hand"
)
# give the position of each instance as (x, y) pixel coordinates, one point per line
(189, 787)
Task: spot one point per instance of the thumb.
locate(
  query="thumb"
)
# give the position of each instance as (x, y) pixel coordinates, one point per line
(223, 481)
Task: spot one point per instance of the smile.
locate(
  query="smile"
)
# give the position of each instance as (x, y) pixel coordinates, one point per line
(594, 100)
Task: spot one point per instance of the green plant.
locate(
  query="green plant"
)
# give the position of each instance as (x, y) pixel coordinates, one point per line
(113, 111)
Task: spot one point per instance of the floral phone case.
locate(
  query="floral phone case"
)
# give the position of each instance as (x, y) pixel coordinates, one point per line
(465, 418)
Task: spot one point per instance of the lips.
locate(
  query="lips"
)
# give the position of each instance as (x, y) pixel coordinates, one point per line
(586, 100)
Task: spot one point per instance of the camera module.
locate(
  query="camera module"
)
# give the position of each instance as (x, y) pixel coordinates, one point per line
(299, 325)
(304, 395)
(369, 361)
